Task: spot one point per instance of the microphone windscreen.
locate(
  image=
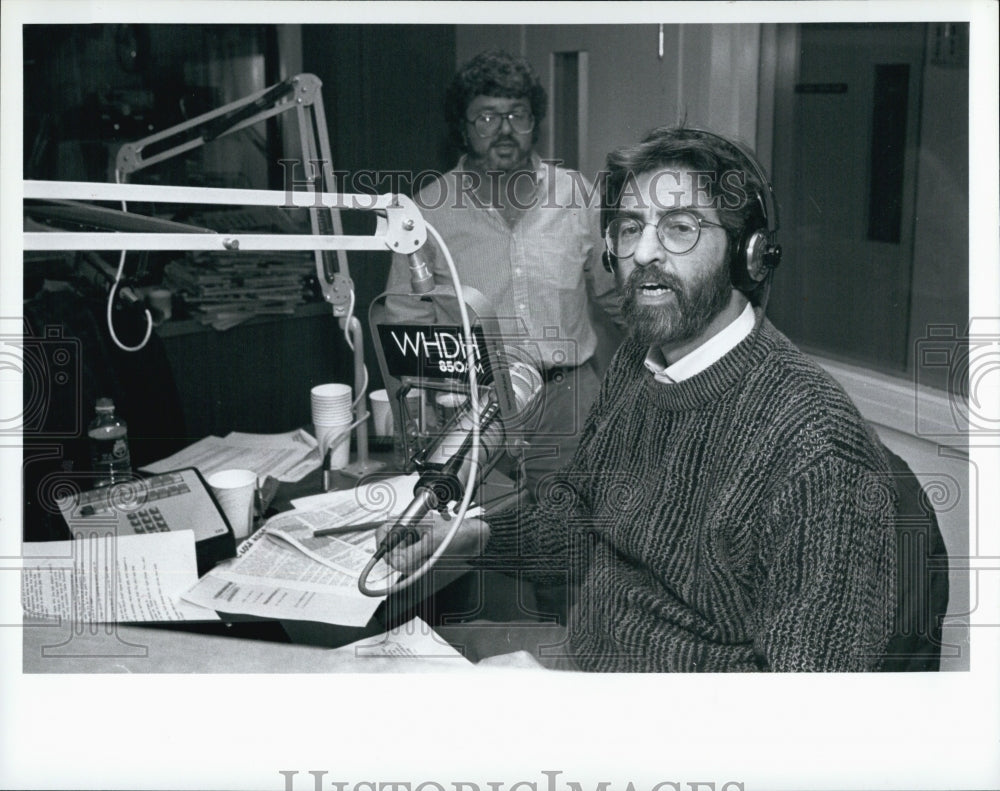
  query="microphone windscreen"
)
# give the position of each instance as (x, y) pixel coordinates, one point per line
(526, 381)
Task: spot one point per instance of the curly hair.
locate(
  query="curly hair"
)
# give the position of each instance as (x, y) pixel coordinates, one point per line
(492, 73)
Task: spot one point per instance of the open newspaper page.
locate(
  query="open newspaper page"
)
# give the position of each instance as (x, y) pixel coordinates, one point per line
(282, 571)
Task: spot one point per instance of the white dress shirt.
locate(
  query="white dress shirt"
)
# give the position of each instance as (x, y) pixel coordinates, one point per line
(538, 275)
(696, 361)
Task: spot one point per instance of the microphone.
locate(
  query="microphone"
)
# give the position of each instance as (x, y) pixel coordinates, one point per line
(421, 280)
(446, 467)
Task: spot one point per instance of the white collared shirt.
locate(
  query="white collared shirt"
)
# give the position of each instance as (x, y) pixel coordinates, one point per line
(536, 275)
(712, 350)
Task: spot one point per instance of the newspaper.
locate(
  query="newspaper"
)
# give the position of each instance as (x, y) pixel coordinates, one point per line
(282, 571)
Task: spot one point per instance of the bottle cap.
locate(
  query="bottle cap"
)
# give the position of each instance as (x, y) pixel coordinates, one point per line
(105, 405)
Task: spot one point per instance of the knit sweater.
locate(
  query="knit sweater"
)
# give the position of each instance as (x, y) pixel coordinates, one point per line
(738, 520)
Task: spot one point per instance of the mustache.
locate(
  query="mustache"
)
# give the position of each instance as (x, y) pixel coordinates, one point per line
(652, 276)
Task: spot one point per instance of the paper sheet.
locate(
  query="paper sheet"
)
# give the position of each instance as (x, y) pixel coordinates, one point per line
(415, 639)
(281, 571)
(287, 457)
(129, 578)
(274, 579)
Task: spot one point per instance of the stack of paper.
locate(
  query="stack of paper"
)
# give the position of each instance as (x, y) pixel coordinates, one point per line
(111, 579)
(223, 289)
(287, 457)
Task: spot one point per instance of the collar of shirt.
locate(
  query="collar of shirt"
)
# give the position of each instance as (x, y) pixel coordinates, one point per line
(712, 350)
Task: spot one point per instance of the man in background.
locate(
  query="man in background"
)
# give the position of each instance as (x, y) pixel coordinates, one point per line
(526, 235)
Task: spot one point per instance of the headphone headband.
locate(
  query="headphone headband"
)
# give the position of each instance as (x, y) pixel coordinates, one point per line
(766, 194)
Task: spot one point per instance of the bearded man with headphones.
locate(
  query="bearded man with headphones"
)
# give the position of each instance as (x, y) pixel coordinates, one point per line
(728, 508)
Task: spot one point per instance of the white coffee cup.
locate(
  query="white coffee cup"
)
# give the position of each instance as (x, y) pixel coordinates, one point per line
(446, 405)
(382, 420)
(335, 438)
(234, 490)
(381, 413)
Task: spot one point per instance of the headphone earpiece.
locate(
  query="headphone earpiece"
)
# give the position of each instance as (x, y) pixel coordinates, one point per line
(609, 261)
(753, 259)
(756, 254)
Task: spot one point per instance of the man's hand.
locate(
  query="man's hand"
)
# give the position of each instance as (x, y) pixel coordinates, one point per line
(468, 541)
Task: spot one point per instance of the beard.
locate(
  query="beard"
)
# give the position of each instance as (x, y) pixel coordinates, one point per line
(696, 303)
(491, 163)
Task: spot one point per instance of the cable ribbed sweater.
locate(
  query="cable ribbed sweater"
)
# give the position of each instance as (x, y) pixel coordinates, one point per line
(738, 520)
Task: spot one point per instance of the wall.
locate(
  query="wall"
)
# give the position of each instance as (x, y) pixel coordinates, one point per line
(941, 236)
(707, 75)
(827, 147)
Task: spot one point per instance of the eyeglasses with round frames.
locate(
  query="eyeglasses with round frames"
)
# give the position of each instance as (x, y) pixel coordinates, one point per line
(488, 122)
(678, 231)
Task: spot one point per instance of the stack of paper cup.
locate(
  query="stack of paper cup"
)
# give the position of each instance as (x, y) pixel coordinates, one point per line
(332, 416)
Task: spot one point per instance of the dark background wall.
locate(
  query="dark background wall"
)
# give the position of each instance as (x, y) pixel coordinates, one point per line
(383, 89)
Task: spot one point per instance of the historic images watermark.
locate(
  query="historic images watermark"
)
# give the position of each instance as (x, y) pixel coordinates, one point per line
(464, 189)
(317, 780)
(49, 364)
(956, 382)
(965, 361)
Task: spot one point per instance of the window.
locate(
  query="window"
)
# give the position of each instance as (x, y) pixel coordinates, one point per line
(872, 182)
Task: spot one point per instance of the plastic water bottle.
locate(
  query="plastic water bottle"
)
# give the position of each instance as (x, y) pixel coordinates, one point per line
(108, 437)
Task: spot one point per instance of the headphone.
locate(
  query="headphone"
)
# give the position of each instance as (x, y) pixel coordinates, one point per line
(755, 253)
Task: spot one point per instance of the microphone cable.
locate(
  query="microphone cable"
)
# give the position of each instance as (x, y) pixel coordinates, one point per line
(114, 290)
(470, 356)
(351, 323)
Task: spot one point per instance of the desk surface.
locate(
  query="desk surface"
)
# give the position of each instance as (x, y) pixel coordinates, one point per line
(245, 646)
(125, 648)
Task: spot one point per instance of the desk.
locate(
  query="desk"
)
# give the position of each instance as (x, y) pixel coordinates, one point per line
(125, 648)
(146, 649)
(239, 644)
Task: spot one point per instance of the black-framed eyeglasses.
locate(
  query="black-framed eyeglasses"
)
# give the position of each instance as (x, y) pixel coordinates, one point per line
(678, 231)
(488, 122)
